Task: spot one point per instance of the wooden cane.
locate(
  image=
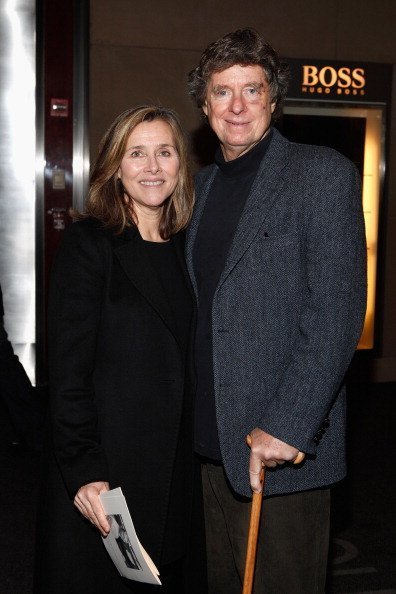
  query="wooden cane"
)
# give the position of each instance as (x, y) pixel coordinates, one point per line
(254, 525)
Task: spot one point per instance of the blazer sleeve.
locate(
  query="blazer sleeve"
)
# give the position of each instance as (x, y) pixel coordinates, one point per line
(333, 306)
(75, 302)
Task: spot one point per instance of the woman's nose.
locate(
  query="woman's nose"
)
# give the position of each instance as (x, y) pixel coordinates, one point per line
(152, 164)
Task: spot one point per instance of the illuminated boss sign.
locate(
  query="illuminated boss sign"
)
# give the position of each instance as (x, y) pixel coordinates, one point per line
(329, 80)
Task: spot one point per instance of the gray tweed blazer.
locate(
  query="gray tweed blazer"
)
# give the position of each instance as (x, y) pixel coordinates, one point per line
(288, 312)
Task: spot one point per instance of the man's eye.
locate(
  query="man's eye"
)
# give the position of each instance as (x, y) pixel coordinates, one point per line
(252, 91)
(221, 92)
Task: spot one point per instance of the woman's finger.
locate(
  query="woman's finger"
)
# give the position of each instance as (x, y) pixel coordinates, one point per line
(88, 503)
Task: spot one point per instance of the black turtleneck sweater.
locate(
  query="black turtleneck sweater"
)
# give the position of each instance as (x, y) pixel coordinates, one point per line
(223, 209)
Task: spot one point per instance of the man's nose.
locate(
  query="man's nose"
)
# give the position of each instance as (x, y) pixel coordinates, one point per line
(237, 103)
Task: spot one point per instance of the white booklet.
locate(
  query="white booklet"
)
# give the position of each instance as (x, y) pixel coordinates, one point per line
(122, 543)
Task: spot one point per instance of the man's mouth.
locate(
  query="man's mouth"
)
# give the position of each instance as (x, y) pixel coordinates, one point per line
(237, 123)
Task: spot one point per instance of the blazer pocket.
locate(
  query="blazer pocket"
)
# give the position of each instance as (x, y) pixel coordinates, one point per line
(276, 247)
(274, 241)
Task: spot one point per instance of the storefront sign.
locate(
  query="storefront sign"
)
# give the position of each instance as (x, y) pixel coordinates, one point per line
(345, 81)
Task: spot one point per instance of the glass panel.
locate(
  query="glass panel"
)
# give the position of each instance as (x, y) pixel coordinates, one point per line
(358, 134)
(17, 175)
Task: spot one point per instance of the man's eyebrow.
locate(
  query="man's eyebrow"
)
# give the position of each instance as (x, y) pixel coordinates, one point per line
(219, 87)
(256, 85)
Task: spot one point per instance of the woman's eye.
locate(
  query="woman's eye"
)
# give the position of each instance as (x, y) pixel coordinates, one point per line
(165, 153)
(136, 153)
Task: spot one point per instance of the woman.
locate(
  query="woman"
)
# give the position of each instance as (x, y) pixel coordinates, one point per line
(120, 318)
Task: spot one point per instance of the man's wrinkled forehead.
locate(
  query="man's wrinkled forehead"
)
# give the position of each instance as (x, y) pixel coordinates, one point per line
(210, 76)
(227, 76)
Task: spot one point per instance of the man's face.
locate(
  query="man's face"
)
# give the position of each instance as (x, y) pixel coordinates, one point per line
(239, 108)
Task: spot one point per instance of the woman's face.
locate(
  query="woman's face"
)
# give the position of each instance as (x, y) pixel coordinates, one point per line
(149, 169)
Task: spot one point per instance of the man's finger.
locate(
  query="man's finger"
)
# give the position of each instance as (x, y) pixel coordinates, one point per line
(256, 480)
(299, 458)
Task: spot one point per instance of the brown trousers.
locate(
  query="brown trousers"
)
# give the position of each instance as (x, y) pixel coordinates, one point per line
(293, 540)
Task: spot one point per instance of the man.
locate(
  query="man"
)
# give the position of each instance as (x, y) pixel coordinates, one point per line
(276, 252)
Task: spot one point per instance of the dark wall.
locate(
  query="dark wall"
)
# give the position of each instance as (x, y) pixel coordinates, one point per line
(142, 52)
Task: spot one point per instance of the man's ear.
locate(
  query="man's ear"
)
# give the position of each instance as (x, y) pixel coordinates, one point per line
(205, 108)
(273, 105)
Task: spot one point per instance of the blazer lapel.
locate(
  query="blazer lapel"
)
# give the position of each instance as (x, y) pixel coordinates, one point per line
(179, 243)
(263, 194)
(202, 195)
(131, 254)
(265, 189)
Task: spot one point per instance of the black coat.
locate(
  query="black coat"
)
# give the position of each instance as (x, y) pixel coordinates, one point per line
(119, 384)
(17, 393)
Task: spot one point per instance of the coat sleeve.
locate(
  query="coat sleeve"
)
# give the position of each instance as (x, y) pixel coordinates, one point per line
(333, 307)
(76, 296)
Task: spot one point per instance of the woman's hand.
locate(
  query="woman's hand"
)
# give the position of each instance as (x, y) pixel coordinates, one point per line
(88, 503)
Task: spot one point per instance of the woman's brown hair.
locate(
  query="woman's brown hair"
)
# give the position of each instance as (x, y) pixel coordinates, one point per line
(107, 200)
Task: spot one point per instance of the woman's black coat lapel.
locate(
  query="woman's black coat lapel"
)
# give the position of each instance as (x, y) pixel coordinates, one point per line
(134, 259)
